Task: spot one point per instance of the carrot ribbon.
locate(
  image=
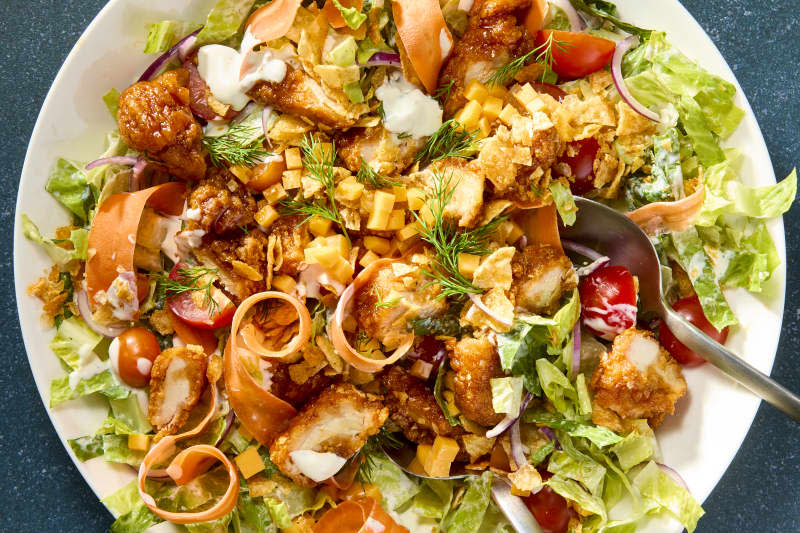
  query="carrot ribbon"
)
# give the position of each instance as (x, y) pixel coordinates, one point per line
(424, 33)
(363, 515)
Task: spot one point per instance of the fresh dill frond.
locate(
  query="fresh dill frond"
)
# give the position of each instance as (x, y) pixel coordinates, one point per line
(188, 280)
(373, 450)
(381, 112)
(443, 91)
(448, 241)
(362, 341)
(387, 304)
(367, 176)
(451, 140)
(320, 164)
(542, 54)
(239, 146)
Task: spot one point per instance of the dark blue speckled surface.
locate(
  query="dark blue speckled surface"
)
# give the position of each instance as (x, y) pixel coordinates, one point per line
(42, 491)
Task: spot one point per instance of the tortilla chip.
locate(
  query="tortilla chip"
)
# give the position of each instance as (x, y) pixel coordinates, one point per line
(495, 270)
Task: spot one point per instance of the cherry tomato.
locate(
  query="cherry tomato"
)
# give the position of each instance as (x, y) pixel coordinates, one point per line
(691, 310)
(579, 54)
(608, 301)
(581, 164)
(550, 510)
(190, 306)
(138, 348)
(549, 88)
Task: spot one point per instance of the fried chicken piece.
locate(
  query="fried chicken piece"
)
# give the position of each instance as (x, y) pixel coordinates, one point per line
(542, 275)
(293, 237)
(241, 262)
(416, 298)
(638, 379)
(467, 182)
(476, 363)
(339, 421)
(385, 153)
(177, 380)
(220, 204)
(282, 386)
(300, 94)
(494, 36)
(154, 117)
(413, 407)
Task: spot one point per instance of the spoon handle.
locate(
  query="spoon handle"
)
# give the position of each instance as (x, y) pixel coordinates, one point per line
(748, 376)
(514, 508)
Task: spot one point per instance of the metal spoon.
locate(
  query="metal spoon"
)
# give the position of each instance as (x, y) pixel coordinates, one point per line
(512, 506)
(618, 237)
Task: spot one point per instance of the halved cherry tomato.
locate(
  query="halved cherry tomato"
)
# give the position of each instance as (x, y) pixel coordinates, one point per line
(550, 510)
(191, 307)
(581, 164)
(579, 54)
(690, 309)
(549, 88)
(191, 335)
(608, 301)
(138, 348)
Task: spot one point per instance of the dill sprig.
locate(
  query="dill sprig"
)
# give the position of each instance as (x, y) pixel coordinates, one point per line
(387, 304)
(189, 280)
(443, 91)
(368, 176)
(373, 450)
(451, 140)
(542, 54)
(239, 146)
(448, 242)
(320, 164)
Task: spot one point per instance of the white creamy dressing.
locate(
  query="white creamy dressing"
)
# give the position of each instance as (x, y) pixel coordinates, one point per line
(193, 214)
(169, 246)
(221, 67)
(121, 295)
(407, 109)
(465, 5)
(642, 352)
(89, 365)
(445, 43)
(113, 356)
(613, 319)
(318, 466)
(178, 389)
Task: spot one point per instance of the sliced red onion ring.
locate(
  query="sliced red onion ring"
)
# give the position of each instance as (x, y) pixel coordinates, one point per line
(517, 452)
(619, 81)
(576, 349)
(480, 305)
(265, 116)
(596, 264)
(383, 59)
(228, 426)
(575, 21)
(82, 301)
(674, 475)
(585, 251)
(198, 100)
(522, 242)
(243, 114)
(127, 160)
(547, 432)
(137, 179)
(509, 420)
(180, 50)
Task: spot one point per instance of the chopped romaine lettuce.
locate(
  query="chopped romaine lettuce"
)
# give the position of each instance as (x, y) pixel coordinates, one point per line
(557, 388)
(579, 467)
(255, 514)
(598, 435)
(129, 411)
(279, 513)
(434, 498)
(565, 202)
(161, 36)
(115, 450)
(351, 16)
(634, 449)
(507, 395)
(67, 183)
(395, 486)
(665, 182)
(103, 381)
(72, 339)
(467, 517)
(111, 99)
(127, 504)
(655, 485)
(88, 447)
(224, 21)
(542, 453)
(59, 255)
(572, 490)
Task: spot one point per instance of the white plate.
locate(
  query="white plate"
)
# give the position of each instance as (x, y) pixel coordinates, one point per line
(699, 441)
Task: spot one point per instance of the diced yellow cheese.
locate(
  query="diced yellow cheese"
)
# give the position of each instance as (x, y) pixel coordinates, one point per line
(249, 462)
(381, 210)
(470, 115)
(517, 492)
(284, 283)
(415, 198)
(498, 91)
(349, 190)
(524, 93)
(293, 159)
(319, 227)
(426, 214)
(468, 264)
(492, 107)
(266, 216)
(318, 242)
(441, 456)
(484, 127)
(368, 258)
(292, 179)
(397, 220)
(244, 174)
(534, 105)
(341, 271)
(349, 324)
(423, 454)
(377, 244)
(415, 467)
(514, 233)
(407, 232)
(508, 113)
(138, 442)
(340, 244)
(502, 231)
(475, 90)
(400, 193)
(326, 256)
(275, 193)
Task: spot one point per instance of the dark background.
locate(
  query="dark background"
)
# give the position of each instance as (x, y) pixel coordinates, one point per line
(40, 489)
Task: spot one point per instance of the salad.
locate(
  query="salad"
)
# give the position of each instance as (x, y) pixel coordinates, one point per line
(326, 233)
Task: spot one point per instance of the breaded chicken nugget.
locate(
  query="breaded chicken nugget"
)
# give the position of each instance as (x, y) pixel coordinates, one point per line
(638, 379)
(475, 362)
(176, 384)
(338, 421)
(542, 275)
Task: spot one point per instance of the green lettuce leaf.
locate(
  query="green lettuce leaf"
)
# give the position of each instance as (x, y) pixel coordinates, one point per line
(67, 183)
(73, 338)
(494, 521)
(558, 19)
(395, 486)
(666, 176)
(608, 11)
(255, 514)
(434, 498)
(542, 453)
(352, 16)
(598, 435)
(128, 411)
(634, 449)
(279, 513)
(115, 450)
(224, 21)
(572, 490)
(59, 256)
(579, 467)
(437, 395)
(468, 516)
(565, 202)
(506, 395)
(127, 504)
(98, 177)
(220, 525)
(655, 485)
(86, 448)
(161, 36)
(111, 99)
(557, 387)
(61, 391)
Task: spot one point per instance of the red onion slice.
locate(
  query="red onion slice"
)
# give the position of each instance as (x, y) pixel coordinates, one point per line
(509, 420)
(576, 349)
(127, 160)
(198, 101)
(674, 475)
(497, 318)
(383, 59)
(619, 81)
(265, 116)
(575, 21)
(180, 50)
(228, 426)
(82, 301)
(517, 452)
(137, 179)
(585, 251)
(547, 432)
